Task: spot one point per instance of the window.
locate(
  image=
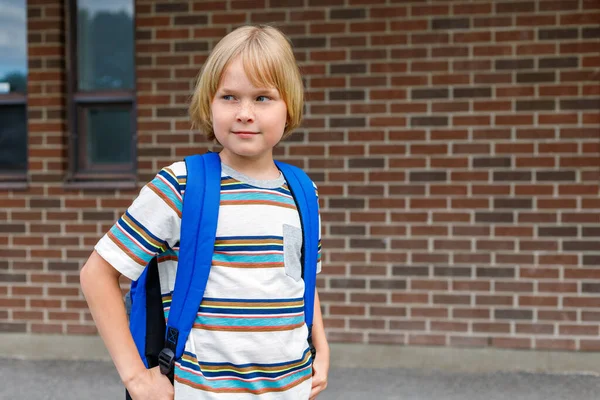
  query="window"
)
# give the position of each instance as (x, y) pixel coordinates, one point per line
(101, 84)
(13, 90)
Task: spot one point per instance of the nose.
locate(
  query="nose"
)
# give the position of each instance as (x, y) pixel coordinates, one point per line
(245, 112)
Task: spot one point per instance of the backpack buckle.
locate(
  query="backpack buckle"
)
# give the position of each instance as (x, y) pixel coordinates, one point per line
(166, 361)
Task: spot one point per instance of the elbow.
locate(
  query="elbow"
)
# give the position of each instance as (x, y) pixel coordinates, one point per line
(84, 277)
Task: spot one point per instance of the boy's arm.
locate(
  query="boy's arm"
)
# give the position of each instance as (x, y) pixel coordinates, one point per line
(318, 329)
(100, 286)
(321, 361)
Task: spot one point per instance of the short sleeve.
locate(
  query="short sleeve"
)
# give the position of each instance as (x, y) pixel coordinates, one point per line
(149, 226)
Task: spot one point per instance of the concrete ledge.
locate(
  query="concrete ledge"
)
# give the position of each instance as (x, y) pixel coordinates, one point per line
(463, 359)
(56, 347)
(52, 347)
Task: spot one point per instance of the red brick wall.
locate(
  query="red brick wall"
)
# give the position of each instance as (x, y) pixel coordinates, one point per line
(456, 146)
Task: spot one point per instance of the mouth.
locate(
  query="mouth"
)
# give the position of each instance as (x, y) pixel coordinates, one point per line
(245, 133)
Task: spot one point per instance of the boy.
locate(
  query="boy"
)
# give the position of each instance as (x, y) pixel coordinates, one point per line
(249, 337)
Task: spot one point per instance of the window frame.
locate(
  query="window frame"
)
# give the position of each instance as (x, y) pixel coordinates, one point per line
(109, 175)
(17, 179)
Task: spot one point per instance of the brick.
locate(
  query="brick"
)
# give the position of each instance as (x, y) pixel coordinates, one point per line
(535, 105)
(591, 260)
(590, 287)
(450, 23)
(312, 42)
(347, 122)
(387, 284)
(410, 271)
(12, 228)
(347, 13)
(98, 216)
(580, 245)
(580, 104)
(366, 163)
(558, 62)
(346, 203)
(535, 77)
(429, 121)
(495, 272)
(348, 69)
(368, 243)
(590, 33)
(13, 327)
(191, 46)
(515, 7)
(347, 95)
(514, 176)
(429, 176)
(44, 203)
(190, 20)
(492, 162)
(344, 41)
(513, 203)
(171, 7)
(454, 272)
(513, 314)
(554, 176)
(429, 93)
(347, 283)
(488, 22)
(479, 65)
(561, 5)
(554, 34)
(12, 277)
(472, 92)
(497, 327)
(561, 231)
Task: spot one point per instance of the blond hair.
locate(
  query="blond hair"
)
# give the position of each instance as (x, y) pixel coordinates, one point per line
(268, 60)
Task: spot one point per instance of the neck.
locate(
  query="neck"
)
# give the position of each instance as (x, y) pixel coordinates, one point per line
(260, 168)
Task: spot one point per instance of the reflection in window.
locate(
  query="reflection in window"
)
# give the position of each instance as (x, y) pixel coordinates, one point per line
(13, 46)
(13, 89)
(105, 44)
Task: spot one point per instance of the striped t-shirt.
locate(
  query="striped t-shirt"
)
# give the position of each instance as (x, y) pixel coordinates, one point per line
(249, 336)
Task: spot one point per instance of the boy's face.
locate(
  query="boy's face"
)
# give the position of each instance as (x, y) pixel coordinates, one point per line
(248, 121)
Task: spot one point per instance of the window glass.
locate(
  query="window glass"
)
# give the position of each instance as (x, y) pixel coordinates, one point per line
(13, 46)
(108, 135)
(13, 138)
(105, 45)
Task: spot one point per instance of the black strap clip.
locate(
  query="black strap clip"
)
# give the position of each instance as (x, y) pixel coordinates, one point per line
(166, 361)
(166, 357)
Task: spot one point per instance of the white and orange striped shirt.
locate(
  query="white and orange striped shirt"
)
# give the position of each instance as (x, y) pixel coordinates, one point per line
(249, 336)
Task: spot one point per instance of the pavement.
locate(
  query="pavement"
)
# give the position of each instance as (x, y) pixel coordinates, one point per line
(70, 380)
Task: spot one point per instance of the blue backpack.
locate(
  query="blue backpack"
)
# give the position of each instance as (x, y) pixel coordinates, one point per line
(161, 344)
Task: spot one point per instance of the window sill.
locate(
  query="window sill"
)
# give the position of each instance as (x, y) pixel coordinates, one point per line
(15, 185)
(14, 181)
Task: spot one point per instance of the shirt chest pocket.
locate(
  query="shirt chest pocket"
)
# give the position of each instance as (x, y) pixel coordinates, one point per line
(292, 251)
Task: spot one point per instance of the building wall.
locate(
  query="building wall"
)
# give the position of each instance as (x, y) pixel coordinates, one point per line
(456, 146)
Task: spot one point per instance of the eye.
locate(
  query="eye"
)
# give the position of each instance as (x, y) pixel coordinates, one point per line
(227, 97)
(262, 98)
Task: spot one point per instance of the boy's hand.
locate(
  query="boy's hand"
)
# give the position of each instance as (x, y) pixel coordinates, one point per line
(150, 384)
(320, 372)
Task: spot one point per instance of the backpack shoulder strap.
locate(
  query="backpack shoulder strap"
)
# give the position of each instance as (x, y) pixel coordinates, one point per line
(196, 246)
(305, 196)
